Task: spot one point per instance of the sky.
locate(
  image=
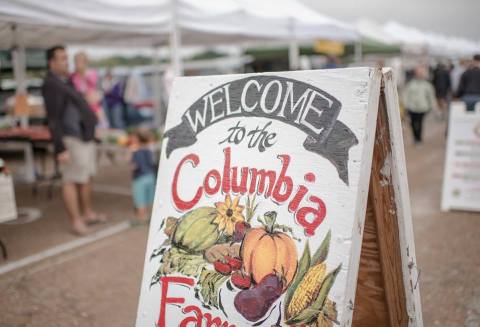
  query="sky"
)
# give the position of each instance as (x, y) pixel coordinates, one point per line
(448, 17)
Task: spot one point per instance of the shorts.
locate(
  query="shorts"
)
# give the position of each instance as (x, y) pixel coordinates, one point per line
(83, 160)
(143, 189)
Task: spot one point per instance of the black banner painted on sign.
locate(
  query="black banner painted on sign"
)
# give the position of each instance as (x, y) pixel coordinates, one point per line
(293, 102)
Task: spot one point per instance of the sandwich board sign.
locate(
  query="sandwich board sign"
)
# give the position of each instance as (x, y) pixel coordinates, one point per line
(282, 200)
(461, 180)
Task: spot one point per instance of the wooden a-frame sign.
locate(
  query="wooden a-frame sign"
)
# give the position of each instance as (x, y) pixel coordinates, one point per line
(282, 200)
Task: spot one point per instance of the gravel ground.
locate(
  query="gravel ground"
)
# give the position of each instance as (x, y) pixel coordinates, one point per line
(98, 284)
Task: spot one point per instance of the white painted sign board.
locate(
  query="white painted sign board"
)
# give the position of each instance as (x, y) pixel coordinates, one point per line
(461, 182)
(8, 207)
(261, 199)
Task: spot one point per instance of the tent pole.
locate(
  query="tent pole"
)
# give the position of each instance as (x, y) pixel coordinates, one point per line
(358, 51)
(293, 55)
(175, 41)
(157, 92)
(293, 49)
(19, 62)
(18, 58)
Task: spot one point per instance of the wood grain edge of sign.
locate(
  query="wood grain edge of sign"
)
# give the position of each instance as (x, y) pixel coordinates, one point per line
(411, 272)
(347, 310)
(383, 299)
(370, 304)
(380, 263)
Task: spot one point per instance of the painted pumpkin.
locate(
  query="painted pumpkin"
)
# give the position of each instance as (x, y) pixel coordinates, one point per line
(267, 251)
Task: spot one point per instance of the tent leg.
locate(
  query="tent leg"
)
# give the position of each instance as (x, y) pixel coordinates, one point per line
(157, 92)
(19, 69)
(175, 41)
(293, 49)
(358, 52)
(293, 55)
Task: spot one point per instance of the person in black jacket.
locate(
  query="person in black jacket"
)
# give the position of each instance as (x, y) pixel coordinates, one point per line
(469, 87)
(443, 86)
(72, 126)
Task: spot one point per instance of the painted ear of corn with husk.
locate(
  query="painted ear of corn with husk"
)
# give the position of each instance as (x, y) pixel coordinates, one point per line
(306, 300)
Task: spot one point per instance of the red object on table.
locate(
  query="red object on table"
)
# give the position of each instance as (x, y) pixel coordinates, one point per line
(144, 104)
(34, 133)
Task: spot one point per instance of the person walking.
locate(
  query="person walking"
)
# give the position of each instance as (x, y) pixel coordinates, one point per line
(143, 168)
(456, 73)
(113, 100)
(72, 126)
(469, 87)
(85, 81)
(419, 99)
(443, 86)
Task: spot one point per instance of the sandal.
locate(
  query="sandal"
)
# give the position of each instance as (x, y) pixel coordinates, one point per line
(97, 218)
(134, 222)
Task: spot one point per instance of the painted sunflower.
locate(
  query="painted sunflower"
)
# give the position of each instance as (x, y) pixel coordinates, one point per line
(228, 213)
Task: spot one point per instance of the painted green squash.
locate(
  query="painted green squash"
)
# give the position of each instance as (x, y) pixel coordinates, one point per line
(196, 231)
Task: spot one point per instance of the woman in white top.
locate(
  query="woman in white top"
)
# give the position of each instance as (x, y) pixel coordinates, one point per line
(419, 99)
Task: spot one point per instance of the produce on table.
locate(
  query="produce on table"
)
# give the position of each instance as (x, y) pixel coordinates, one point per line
(254, 303)
(266, 250)
(196, 230)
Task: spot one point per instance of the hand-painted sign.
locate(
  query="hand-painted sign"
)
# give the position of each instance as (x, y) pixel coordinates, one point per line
(310, 109)
(461, 182)
(8, 206)
(261, 199)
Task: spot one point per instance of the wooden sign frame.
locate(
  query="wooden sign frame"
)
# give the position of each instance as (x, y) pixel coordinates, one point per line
(380, 283)
(387, 286)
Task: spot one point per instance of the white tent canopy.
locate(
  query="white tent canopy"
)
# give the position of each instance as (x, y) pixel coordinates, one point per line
(376, 32)
(32, 23)
(43, 23)
(431, 43)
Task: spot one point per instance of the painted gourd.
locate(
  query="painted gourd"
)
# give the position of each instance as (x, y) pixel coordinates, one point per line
(264, 252)
(195, 231)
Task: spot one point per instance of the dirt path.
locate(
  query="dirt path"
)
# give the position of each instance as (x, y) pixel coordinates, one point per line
(447, 244)
(98, 285)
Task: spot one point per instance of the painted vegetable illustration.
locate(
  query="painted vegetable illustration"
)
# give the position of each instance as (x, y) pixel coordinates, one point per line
(196, 231)
(254, 303)
(241, 280)
(266, 250)
(221, 248)
(306, 301)
(201, 228)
